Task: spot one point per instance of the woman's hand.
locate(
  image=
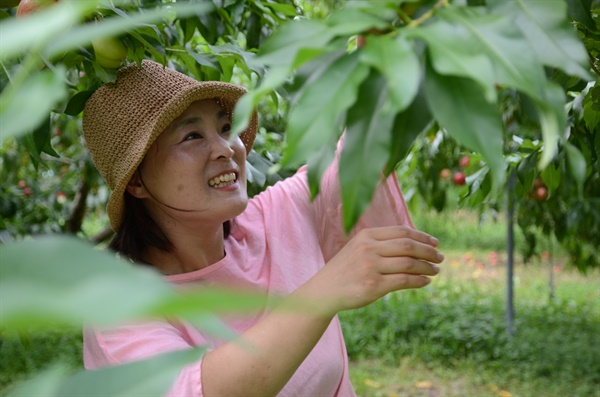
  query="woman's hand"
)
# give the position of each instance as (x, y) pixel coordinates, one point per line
(373, 263)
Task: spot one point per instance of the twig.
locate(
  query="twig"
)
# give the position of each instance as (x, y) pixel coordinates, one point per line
(593, 64)
(102, 236)
(404, 17)
(428, 14)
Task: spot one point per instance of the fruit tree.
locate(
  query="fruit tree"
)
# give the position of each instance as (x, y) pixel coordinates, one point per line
(464, 91)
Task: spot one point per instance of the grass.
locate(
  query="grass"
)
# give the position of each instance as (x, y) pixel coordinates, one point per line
(448, 339)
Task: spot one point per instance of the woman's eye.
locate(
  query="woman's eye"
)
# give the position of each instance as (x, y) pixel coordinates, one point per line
(192, 135)
(226, 129)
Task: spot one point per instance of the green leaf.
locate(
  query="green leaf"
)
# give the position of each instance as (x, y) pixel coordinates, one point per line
(42, 137)
(513, 61)
(580, 11)
(460, 107)
(286, 9)
(110, 27)
(597, 144)
(283, 46)
(248, 102)
(204, 59)
(366, 147)
(255, 176)
(77, 102)
(41, 285)
(553, 120)
(549, 32)
(188, 26)
(408, 124)
(150, 377)
(253, 28)
(18, 36)
(318, 162)
(105, 75)
(590, 115)
(454, 50)
(24, 108)
(397, 61)
(577, 164)
(316, 115)
(34, 153)
(551, 177)
(350, 21)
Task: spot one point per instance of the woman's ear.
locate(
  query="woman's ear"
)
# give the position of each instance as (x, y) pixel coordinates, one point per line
(135, 187)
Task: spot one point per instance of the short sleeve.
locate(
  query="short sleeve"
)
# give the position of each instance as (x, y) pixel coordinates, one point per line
(129, 343)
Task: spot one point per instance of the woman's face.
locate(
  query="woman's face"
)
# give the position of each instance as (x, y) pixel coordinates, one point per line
(192, 168)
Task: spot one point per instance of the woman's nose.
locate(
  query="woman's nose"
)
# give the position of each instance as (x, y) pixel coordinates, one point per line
(221, 148)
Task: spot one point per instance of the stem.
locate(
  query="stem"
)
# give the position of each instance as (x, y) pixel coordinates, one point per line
(404, 17)
(419, 21)
(6, 72)
(593, 64)
(175, 50)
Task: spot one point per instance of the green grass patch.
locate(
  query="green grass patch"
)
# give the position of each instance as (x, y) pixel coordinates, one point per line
(450, 339)
(22, 355)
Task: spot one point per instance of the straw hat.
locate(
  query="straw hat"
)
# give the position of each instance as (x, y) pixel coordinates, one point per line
(121, 120)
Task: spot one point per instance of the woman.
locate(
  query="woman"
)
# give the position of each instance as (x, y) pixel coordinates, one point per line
(179, 204)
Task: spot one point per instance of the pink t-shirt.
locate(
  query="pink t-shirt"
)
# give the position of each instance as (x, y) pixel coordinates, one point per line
(277, 244)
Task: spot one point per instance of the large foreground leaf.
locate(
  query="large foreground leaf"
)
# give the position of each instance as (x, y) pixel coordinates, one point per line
(63, 280)
(366, 147)
(551, 36)
(460, 107)
(408, 124)
(397, 61)
(510, 54)
(148, 378)
(284, 45)
(316, 116)
(553, 119)
(24, 109)
(454, 50)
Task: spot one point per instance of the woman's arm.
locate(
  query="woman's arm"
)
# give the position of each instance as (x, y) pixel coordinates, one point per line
(375, 262)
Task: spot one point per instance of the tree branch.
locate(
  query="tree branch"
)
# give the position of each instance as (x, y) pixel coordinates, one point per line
(79, 207)
(102, 236)
(428, 14)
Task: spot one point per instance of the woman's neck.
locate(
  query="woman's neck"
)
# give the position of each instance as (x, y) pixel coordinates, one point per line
(192, 250)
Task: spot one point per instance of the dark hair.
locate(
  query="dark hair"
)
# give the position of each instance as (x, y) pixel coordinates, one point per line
(139, 231)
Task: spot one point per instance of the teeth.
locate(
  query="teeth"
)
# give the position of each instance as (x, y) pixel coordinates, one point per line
(222, 180)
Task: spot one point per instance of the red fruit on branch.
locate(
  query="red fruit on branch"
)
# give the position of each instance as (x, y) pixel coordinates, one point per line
(541, 194)
(445, 173)
(27, 192)
(464, 161)
(22, 184)
(538, 183)
(459, 178)
(32, 6)
(61, 198)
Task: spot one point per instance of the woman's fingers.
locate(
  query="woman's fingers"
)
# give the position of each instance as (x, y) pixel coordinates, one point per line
(401, 232)
(396, 282)
(407, 265)
(407, 247)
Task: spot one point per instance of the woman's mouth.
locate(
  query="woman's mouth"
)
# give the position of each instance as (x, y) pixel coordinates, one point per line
(223, 180)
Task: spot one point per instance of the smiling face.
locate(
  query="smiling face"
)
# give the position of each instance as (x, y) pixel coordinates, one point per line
(193, 170)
